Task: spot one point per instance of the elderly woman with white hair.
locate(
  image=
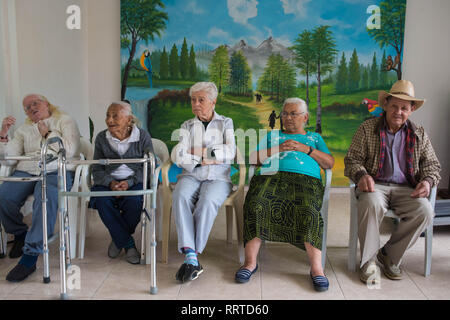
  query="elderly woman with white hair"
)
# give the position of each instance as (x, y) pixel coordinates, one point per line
(121, 140)
(44, 121)
(205, 150)
(283, 203)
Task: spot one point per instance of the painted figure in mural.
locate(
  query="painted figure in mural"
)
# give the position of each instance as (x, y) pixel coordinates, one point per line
(122, 140)
(44, 121)
(373, 107)
(205, 151)
(258, 97)
(146, 64)
(281, 121)
(283, 217)
(272, 119)
(393, 163)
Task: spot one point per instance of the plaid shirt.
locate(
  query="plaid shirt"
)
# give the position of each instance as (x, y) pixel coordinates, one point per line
(363, 155)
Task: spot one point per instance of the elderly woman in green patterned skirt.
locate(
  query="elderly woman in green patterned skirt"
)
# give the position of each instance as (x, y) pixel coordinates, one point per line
(283, 203)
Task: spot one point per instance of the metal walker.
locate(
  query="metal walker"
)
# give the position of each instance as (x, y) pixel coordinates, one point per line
(64, 222)
(62, 200)
(63, 194)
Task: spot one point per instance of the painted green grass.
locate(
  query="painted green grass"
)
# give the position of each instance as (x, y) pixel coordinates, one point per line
(143, 82)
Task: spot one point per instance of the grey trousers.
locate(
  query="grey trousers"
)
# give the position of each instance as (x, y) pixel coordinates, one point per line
(415, 213)
(195, 205)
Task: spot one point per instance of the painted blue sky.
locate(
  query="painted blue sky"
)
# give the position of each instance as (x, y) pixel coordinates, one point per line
(216, 22)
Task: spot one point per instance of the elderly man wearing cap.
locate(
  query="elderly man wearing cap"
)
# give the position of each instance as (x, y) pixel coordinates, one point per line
(394, 166)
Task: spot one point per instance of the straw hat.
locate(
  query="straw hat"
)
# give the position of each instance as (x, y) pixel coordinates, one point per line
(402, 89)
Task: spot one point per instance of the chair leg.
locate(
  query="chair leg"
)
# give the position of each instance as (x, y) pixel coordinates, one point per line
(73, 217)
(324, 238)
(428, 248)
(353, 236)
(229, 212)
(238, 209)
(3, 240)
(82, 232)
(167, 212)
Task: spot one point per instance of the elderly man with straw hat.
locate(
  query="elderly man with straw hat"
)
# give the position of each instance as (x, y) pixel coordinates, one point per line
(393, 164)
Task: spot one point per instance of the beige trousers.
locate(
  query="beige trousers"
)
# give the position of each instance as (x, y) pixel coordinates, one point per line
(415, 215)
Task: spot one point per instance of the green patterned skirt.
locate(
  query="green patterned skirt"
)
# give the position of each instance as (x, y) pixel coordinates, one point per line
(284, 207)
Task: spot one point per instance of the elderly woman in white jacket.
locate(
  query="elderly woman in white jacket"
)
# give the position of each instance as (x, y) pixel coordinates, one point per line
(205, 150)
(44, 121)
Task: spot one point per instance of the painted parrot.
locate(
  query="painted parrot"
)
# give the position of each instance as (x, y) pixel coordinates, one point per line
(146, 64)
(373, 107)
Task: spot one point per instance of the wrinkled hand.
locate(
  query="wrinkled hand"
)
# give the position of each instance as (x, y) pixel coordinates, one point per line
(7, 123)
(42, 127)
(118, 186)
(292, 145)
(422, 190)
(197, 151)
(366, 184)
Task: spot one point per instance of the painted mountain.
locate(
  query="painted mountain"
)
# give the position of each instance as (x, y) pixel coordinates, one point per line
(256, 57)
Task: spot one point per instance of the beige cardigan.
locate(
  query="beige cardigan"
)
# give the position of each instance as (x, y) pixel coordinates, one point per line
(27, 141)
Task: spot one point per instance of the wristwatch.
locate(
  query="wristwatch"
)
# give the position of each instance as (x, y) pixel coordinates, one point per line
(48, 132)
(310, 150)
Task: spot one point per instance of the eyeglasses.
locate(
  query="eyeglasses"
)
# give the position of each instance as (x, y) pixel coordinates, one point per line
(33, 104)
(292, 114)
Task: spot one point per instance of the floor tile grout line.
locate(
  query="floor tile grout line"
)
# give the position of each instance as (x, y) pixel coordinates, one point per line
(337, 278)
(417, 286)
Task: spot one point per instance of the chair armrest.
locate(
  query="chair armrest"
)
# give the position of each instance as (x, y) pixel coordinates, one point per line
(165, 174)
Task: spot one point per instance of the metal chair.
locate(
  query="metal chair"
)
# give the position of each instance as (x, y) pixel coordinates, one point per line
(234, 201)
(323, 211)
(353, 237)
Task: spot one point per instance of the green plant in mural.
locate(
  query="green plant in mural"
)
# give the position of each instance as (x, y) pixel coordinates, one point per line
(240, 81)
(140, 20)
(391, 32)
(219, 69)
(324, 49)
(91, 130)
(304, 57)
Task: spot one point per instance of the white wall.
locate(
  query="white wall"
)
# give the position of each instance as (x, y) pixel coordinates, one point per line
(427, 64)
(78, 70)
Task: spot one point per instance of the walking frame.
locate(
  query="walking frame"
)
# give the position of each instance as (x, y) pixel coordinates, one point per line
(63, 195)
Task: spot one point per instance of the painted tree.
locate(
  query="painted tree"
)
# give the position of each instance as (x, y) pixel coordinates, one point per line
(354, 72)
(324, 49)
(342, 76)
(240, 74)
(392, 30)
(192, 64)
(140, 21)
(164, 65)
(383, 72)
(184, 61)
(219, 68)
(278, 79)
(373, 75)
(174, 63)
(364, 78)
(304, 57)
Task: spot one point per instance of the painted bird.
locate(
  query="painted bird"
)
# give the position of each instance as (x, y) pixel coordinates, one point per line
(146, 64)
(373, 107)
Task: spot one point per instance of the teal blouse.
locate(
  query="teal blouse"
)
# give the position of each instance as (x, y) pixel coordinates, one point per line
(292, 161)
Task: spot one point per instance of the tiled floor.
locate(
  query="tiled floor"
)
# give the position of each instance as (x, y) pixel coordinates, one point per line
(283, 273)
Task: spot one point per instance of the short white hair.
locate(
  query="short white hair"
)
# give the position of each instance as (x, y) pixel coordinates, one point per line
(209, 87)
(126, 107)
(297, 101)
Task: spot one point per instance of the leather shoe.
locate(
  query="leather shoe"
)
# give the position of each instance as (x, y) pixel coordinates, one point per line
(19, 273)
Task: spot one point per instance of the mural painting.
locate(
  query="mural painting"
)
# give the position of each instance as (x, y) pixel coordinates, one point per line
(335, 55)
